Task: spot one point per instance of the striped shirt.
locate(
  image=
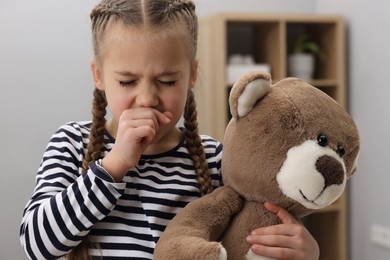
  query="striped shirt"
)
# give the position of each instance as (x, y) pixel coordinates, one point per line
(126, 219)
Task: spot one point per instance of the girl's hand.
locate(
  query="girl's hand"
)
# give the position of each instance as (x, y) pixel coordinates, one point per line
(136, 129)
(289, 240)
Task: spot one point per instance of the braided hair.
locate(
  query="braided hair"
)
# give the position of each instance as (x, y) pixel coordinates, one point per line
(155, 15)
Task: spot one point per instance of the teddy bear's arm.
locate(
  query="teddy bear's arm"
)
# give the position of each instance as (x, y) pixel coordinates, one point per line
(195, 231)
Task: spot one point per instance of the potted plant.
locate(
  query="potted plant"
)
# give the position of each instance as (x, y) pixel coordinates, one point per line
(302, 59)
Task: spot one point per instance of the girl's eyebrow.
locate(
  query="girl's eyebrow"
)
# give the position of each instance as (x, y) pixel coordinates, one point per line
(131, 74)
(125, 73)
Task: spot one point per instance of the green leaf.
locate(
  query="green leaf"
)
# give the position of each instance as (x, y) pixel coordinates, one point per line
(304, 44)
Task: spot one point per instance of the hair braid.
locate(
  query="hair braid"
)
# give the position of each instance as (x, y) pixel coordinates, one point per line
(194, 145)
(179, 5)
(96, 136)
(94, 152)
(100, 17)
(168, 13)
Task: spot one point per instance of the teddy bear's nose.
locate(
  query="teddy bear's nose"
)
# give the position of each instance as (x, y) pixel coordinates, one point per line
(331, 169)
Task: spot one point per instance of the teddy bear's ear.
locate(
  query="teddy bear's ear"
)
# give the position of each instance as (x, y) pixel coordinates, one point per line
(247, 91)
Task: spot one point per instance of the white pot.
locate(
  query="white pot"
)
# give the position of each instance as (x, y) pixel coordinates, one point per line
(301, 65)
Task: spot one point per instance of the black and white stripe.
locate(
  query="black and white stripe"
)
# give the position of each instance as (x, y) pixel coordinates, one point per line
(127, 218)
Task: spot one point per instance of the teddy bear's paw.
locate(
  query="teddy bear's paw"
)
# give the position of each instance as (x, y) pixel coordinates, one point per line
(222, 253)
(252, 256)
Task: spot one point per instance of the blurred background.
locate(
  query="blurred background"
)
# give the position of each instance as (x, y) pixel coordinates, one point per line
(45, 81)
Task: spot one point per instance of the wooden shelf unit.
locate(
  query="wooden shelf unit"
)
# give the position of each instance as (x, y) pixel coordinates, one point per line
(267, 37)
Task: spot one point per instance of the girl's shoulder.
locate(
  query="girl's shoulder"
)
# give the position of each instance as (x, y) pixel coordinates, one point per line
(212, 148)
(79, 128)
(77, 125)
(210, 142)
(73, 132)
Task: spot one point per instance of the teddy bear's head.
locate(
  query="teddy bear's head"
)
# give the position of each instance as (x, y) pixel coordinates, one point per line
(289, 143)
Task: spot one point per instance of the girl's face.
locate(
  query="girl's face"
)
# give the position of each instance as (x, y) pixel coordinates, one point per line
(139, 70)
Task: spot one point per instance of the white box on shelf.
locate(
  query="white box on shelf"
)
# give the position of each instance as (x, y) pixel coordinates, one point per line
(235, 71)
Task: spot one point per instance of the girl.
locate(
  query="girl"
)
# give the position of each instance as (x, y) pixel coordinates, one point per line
(109, 188)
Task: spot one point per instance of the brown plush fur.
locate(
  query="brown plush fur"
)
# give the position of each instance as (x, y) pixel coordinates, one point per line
(258, 147)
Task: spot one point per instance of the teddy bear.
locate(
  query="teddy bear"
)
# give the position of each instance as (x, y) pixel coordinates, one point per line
(289, 144)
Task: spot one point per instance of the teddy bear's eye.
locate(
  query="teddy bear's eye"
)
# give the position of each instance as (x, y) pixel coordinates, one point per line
(340, 150)
(322, 140)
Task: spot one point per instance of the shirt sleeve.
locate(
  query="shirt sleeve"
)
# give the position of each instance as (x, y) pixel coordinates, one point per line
(65, 203)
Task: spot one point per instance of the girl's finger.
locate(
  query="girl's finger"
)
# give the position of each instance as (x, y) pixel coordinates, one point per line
(157, 116)
(282, 214)
(165, 117)
(281, 229)
(274, 252)
(271, 240)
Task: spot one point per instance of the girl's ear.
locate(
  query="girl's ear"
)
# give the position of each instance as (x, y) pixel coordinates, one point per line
(97, 75)
(194, 73)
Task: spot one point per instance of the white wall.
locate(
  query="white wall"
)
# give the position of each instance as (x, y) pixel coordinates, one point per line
(369, 67)
(206, 7)
(45, 50)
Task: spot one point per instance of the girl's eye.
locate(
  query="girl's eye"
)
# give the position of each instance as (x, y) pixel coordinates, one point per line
(129, 83)
(167, 83)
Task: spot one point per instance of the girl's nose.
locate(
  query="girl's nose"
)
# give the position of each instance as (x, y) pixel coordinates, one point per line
(147, 95)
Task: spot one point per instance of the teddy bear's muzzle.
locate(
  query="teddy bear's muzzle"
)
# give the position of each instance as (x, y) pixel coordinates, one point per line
(312, 174)
(331, 169)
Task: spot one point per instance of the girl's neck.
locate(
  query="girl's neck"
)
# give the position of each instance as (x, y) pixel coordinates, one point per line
(164, 143)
